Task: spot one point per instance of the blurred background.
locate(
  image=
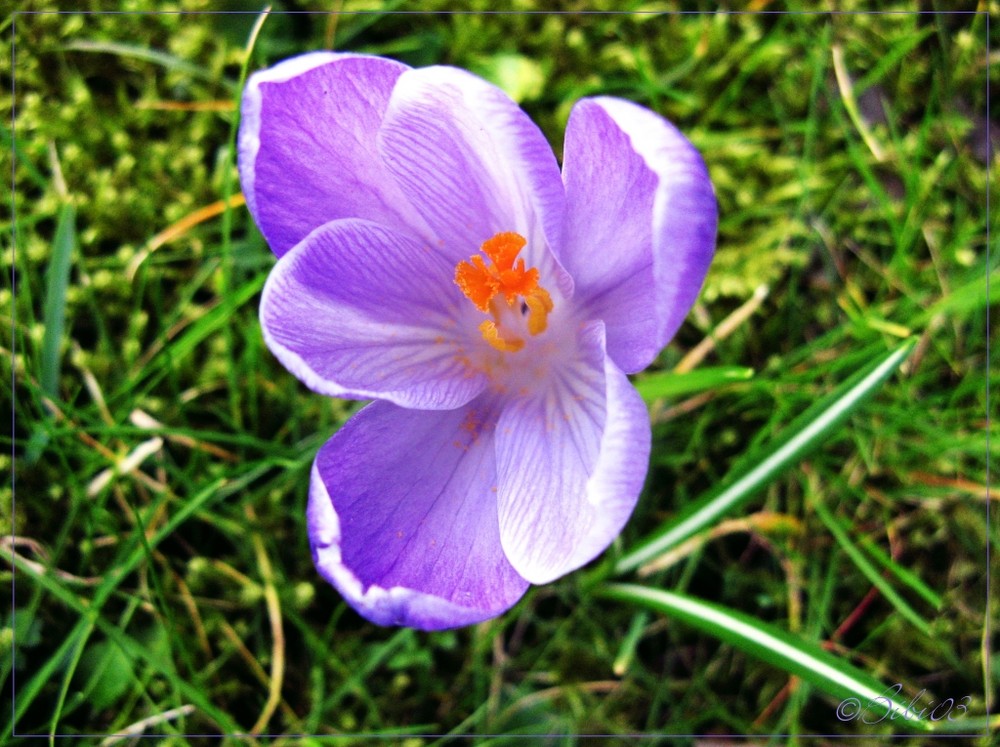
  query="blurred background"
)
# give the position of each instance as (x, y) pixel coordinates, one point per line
(160, 455)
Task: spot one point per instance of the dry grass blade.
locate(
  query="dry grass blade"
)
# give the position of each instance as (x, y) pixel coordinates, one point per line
(187, 106)
(139, 727)
(180, 228)
(725, 328)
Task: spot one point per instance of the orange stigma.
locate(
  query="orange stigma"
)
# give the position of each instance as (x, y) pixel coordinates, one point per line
(482, 284)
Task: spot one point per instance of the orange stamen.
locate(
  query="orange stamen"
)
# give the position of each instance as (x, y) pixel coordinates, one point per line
(503, 248)
(481, 284)
(476, 282)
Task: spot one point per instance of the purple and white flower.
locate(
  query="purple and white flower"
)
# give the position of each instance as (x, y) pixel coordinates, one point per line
(432, 257)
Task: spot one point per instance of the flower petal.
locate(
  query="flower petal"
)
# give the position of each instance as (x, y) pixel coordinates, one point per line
(403, 520)
(356, 310)
(640, 224)
(473, 165)
(307, 146)
(571, 461)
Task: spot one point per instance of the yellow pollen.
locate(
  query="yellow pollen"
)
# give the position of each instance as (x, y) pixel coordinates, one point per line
(539, 304)
(504, 277)
(492, 335)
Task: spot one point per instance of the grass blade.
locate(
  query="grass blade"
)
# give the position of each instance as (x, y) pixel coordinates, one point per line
(914, 582)
(56, 283)
(808, 431)
(16, 147)
(90, 618)
(89, 612)
(54, 319)
(670, 384)
(163, 59)
(803, 658)
(213, 320)
(236, 411)
(970, 298)
(870, 572)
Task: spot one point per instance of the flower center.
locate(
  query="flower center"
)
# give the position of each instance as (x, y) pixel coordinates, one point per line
(484, 285)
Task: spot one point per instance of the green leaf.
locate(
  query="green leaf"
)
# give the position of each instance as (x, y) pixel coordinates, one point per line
(56, 283)
(669, 384)
(905, 575)
(859, 692)
(863, 564)
(806, 433)
(27, 629)
(107, 672)
(17, 146)
(969, 299)
(213, 321)
(897, 52)
(89, 613)
(163, 59)
(54, 318)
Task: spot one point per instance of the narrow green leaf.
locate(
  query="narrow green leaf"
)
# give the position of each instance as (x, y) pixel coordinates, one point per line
(28, 691)
(902, 573)
(163, 59)
(669, 384)
(228, 257)
(859, 559)
(108, 673)
(56, 283)
(896, 53)
(359, 23)
(212, 321)
(89, 614)
(626, 652)
(54, 318)
(859, 692)
(87, 618)
(72, 664)
(20, 159)
(967, 300)
(379, 653)
(807, 432)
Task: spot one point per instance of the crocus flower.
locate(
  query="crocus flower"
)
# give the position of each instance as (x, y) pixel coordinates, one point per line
(432, 257)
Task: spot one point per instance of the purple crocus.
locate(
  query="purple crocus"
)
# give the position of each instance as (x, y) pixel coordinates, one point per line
(432, 257)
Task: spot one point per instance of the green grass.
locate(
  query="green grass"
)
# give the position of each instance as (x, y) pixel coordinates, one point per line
(161, 454)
